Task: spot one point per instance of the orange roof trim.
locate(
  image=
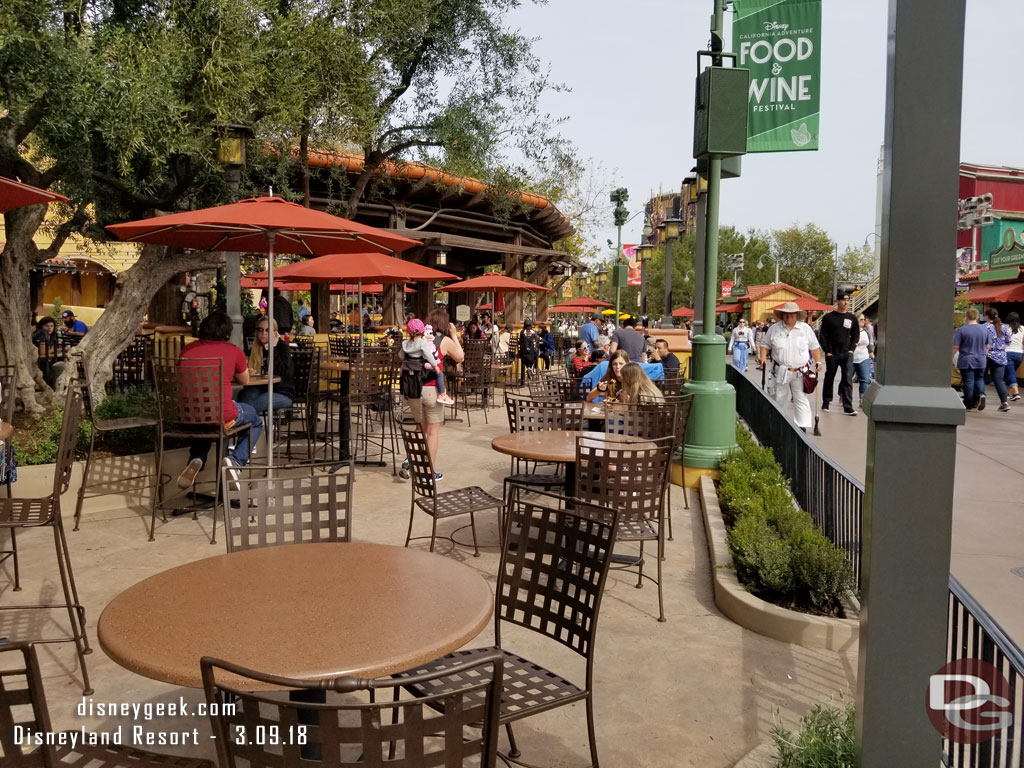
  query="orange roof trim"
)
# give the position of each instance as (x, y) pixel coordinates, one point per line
(414, 171)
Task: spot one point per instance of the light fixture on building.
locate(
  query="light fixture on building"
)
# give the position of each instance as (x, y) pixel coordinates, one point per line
(231, 144)
(441, 258)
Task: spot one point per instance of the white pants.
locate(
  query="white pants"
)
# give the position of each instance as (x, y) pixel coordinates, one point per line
(793, 389)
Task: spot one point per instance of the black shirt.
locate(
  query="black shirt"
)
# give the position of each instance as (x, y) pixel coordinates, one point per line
(839, 333)
(670, 363)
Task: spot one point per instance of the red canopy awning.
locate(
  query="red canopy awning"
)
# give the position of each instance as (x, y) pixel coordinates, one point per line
(258, 281)
(367, 267)
(809, 305)
(738, 307)
(14, 194)
(682, 312)
(995, 294)
(495, 282)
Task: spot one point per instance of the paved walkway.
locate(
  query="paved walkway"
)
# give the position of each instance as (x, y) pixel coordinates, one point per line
(988, 499)
(697, 690)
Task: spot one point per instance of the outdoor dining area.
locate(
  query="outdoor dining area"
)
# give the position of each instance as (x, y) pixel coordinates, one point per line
(329, 575)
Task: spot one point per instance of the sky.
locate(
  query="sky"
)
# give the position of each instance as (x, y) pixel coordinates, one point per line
(631, 67)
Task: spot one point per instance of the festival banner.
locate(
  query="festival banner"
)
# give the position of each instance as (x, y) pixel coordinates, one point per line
(779, 41)
(629, 255)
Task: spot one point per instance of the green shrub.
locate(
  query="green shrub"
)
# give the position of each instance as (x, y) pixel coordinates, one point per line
(40, 447)
(762, 558)
(820, 569)
(124, 404)
(826, 739)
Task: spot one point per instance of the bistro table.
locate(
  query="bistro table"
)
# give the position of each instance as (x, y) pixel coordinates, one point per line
(309, 611)
(260, 380)
(558, 445)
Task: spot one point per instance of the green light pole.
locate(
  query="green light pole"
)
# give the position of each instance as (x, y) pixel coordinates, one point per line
(719, 131)
(621, 216)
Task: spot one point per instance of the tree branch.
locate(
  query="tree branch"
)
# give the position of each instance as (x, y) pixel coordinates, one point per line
(64, 231)
(401, 129)
(407, 75)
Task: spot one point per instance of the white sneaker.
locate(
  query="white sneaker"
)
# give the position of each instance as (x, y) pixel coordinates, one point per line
(233, 474)
(445, 399)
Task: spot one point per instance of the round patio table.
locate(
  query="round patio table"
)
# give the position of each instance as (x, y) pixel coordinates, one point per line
(554, 445)
(308, 611)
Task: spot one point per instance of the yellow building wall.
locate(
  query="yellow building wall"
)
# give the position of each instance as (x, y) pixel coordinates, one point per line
(761, 309)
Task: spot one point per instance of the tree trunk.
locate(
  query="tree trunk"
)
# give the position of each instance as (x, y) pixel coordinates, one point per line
(371, 162)
(20, 254)
(133, 291)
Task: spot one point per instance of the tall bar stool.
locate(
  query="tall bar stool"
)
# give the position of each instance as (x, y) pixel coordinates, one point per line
(21, 513)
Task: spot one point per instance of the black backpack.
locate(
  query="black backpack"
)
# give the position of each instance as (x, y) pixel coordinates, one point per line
(528, 347)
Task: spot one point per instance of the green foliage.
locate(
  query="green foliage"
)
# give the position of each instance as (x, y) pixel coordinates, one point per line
(827, 738)
(778, 552)
(43, 442)
(123, 404)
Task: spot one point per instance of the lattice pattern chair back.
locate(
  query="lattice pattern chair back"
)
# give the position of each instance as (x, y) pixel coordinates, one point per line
(545, 387)
(343, 346)
(189, 392)
(478, 359)
(655, 419)
(291, 505)
(627, 477)
(513, 407)
(22, 703)
(304, 341)
(368, 378)
(421, 468)
(450, 728)
(538, 416)
(306, 374)
(131, 366)
(553, 569)
(670, 384)
(71, 419)
(683, 404)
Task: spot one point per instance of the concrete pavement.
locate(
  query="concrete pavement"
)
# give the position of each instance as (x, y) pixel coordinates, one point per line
(988, 500)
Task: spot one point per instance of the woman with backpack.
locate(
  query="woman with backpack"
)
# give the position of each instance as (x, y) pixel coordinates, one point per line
(529, 351)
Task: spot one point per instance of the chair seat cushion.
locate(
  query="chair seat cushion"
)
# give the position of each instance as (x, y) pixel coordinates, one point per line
(527, 687)
(637, 530)
(16, 512)
(459, 502)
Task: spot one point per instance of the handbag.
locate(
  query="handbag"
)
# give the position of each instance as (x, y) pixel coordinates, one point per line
(810, 380)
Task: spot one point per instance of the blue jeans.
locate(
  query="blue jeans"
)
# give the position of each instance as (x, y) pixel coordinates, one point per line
(998, 378)
(257, 398)
(1013, 361)
(739, 355)
(973, 384)
(200, 449)
(865, 372)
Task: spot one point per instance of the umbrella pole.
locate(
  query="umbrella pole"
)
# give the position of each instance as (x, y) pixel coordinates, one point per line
(360, 309)
(270, 352)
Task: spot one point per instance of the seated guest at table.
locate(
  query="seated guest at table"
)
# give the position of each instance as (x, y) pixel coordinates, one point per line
(635, 384)
(611, 383)
(306, 328)
(662, 355)
(474, 332)
(581, 359)
(284, 390)
(503, 339)
(214, 332)
(73, 327)
(47, 342)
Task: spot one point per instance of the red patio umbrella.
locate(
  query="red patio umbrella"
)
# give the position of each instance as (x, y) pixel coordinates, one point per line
(496, 284)
(260, 225)
(14, 194)
(258, 281)
(682, 312)
(582, 302)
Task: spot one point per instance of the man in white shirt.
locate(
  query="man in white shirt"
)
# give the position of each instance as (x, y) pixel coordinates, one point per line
(792, 344)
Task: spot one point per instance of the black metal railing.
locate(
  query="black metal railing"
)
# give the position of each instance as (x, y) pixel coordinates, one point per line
(832, 497)
(973, 634)
(835, 501)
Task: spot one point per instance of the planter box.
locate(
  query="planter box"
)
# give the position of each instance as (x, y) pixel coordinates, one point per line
(752, 612)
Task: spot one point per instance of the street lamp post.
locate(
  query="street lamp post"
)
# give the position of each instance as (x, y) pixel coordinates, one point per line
(601, 274)
(621, 216)
(231, 154)
(670, 232)
(643, 252)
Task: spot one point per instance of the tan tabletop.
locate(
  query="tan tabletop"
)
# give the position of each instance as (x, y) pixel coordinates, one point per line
(299, 610)
(6, 430)
(552, 445)
(259, 380)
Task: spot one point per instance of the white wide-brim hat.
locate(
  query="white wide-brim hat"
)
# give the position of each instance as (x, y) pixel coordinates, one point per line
(790, 307)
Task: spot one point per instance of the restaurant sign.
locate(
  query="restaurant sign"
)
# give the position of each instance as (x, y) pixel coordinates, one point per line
(779, 41)
(1010, 254)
